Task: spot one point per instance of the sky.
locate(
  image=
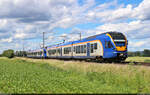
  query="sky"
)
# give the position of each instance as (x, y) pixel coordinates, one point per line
(24, 21)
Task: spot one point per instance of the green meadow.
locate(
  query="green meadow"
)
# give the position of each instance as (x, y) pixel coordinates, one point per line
(138, 59)
(24, 75)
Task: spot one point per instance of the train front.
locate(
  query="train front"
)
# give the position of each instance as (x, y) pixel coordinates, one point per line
(120, 43)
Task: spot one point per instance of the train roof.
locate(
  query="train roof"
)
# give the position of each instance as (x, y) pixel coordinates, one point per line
(36, 50)
(83, 40)
(77, 41)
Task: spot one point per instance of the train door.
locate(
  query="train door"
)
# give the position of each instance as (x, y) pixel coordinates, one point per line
(61, 51)
(44, 53)
(72, 50)
(108, 49)
(88, 49)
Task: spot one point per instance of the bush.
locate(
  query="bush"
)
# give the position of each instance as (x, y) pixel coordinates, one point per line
(8, 53)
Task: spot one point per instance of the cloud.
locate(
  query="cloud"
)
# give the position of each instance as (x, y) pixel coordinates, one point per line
(27, 19)
(6, 40)
(142, 11)
(3, 22)
(24, 10)
(133, 30)
(139, 44)
(117, 14)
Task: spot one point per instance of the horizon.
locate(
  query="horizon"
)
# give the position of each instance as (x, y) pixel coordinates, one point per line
(22, 22)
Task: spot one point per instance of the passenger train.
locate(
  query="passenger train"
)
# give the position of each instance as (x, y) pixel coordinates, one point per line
(109, 46)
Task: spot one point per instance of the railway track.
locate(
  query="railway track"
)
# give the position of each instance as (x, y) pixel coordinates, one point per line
(120, 63)
(142, 63)
(123, 63)
(134, 63)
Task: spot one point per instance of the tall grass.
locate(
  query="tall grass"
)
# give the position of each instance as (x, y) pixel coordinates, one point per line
(53, 76)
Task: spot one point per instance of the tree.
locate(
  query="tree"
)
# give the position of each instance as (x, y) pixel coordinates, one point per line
(131, 54)
(146, 53)
(8, 53)
(137, 53)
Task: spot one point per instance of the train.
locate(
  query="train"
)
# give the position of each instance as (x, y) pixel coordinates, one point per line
(108, 46)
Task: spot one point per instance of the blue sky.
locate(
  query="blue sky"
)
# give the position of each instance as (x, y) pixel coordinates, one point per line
(23, 21)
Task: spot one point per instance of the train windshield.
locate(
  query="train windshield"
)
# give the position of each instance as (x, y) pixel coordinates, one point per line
(118, 38)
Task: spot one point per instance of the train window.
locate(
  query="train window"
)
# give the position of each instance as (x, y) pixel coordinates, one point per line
(84, 49)
(92, 48)
(74, 49)
(49, 52)
(95, 45)
(79, 49)
(64, 51)
(67, 50)
(59, 50)
(54, 51)
(108, 44)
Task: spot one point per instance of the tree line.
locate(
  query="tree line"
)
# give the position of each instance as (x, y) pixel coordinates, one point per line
(10, 53)
(145, 53)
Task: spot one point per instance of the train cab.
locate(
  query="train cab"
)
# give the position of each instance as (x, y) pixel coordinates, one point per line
(116, 46)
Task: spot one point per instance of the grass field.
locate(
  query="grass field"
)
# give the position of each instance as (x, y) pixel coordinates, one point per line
(139, 59)
(22, 75)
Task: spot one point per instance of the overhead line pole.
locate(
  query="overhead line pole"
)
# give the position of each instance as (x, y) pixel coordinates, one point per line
(23, 45)
(43, 39)
(80, 35)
